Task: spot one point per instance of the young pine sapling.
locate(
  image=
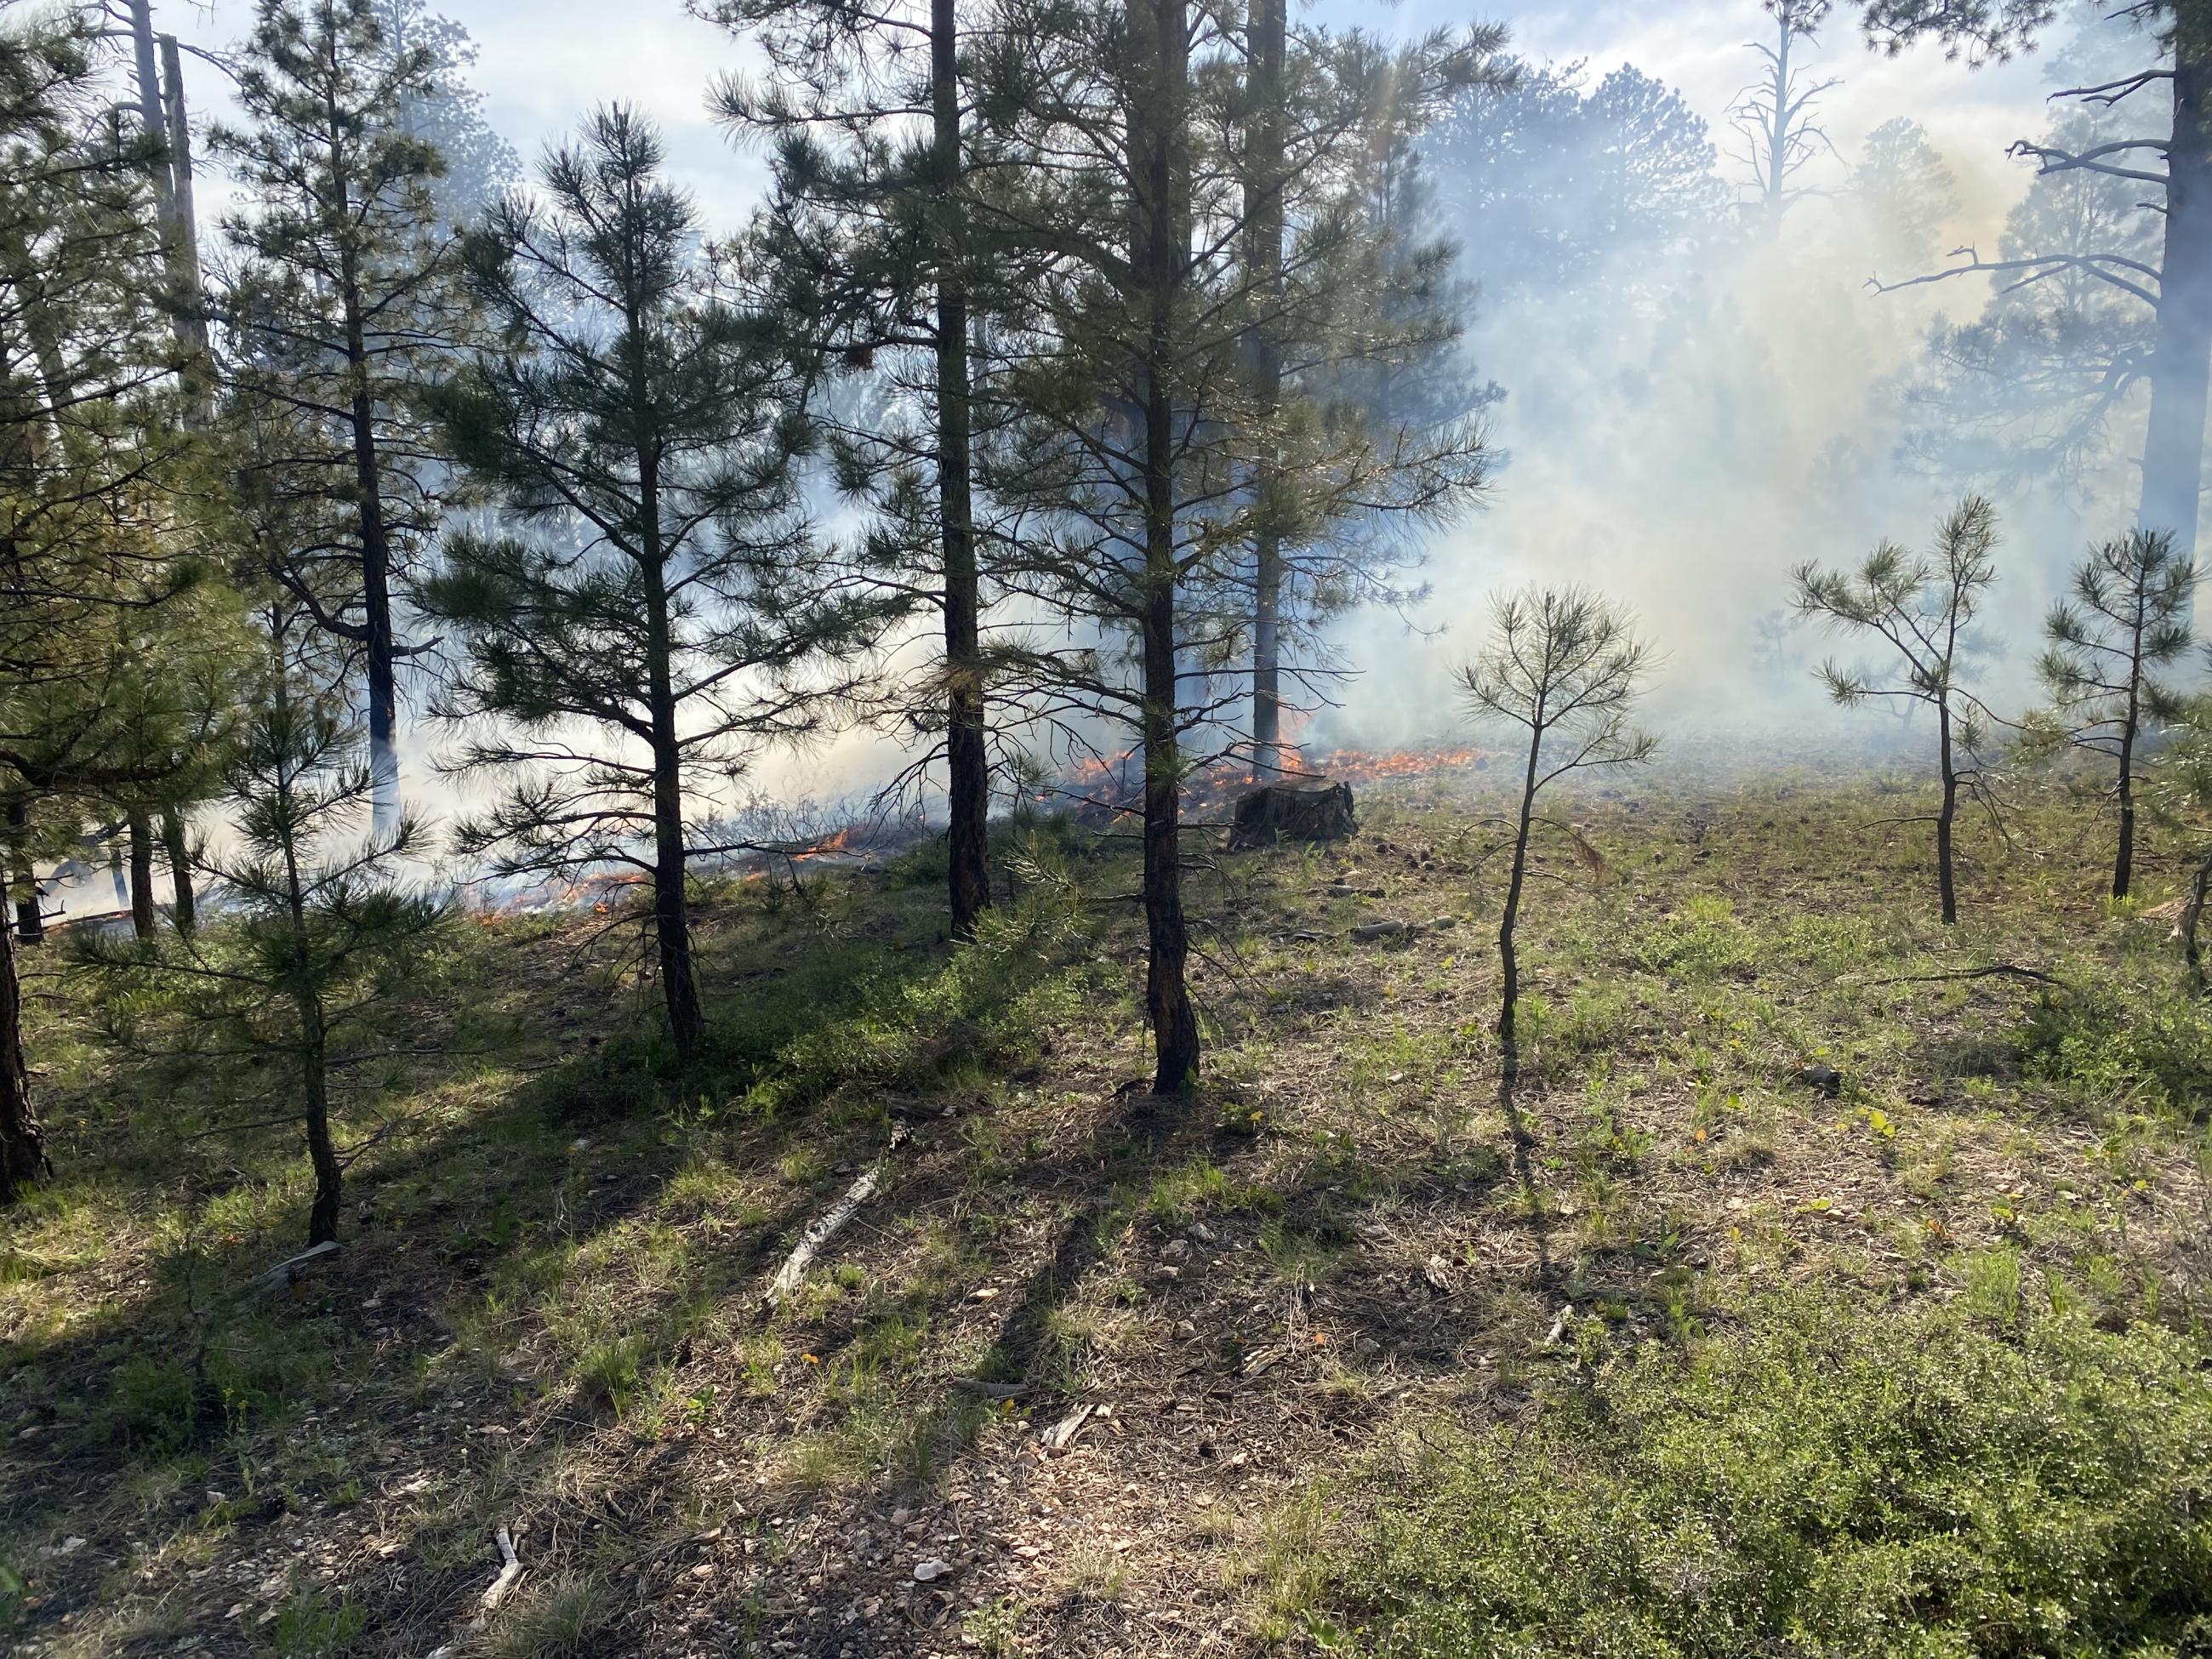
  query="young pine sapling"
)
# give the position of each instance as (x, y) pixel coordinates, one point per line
(2128, 619)
(314, 933)
(1923, 606)
(1565, 666)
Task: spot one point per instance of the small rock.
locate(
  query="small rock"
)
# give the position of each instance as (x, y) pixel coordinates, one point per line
(932, 1570)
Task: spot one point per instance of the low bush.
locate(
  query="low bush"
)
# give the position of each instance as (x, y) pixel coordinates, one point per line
(1826, 1482)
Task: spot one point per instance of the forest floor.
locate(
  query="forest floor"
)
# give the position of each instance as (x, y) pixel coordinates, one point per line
(1092, 1374)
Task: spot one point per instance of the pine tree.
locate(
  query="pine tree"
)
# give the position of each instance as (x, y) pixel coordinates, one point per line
(2109, 645)
(1923, 607)
(102, 622)
(1776, 117)
(315, 936)
(654, 617)
(1140, 429)
(1565, 666)
(874, 131)
(337, 312)
(2165, 165)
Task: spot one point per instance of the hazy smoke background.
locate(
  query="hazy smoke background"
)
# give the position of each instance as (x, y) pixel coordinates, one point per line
(1687, 415)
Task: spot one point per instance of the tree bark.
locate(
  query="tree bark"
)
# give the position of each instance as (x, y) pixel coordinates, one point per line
(1776, 183)
(376, 605)
(967, 771)
(1263, 214)
(330, 1178)
(2123, 859)
(1158, 28)
(145, 922)
(672, 918)
(1945, 815)
(185, 904)
(375, 539)
(2181, 358)
(22, 1136)
(2191, 916)
(180, 242)
(30, 914)
(1508, 961)
(24, 878)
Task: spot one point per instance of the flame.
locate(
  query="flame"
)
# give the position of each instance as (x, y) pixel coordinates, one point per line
(836, 843)
(1361, 766)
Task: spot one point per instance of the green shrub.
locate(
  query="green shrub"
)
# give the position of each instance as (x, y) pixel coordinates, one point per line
(1828, 1482)
(153, 1404)
(2149, 1048)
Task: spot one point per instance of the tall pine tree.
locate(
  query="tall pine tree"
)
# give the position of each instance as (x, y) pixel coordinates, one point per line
(654, 617)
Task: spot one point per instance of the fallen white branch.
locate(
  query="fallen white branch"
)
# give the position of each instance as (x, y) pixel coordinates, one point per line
(278, 1277)
(510, 1569)
(825, 1227)
(1061, 1435)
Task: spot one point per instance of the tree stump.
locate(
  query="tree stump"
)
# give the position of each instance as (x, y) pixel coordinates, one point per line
(1292, 809)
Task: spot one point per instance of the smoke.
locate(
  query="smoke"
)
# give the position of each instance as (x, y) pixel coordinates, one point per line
(1697, 408)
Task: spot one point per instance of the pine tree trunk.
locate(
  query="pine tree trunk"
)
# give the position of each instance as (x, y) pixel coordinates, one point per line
(968, 769)
(1156, 167)
(22, 1136)
(30, 914)
(1263, 214)
(2192, 916)
(2181, 357)
(23, 878)
(330, 1179)
(1945, 815)
(2123, 859)
(185, 911)
(145, 920)
(672, 918)
(1777, 182)
(375, 576)
(1508, 961)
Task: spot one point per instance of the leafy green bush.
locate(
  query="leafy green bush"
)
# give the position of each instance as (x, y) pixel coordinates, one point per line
(1828, 1482)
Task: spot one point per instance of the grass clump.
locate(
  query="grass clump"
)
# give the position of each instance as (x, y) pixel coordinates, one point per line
(1827, 1481)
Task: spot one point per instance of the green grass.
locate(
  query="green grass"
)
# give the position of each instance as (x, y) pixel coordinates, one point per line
(548, 1311)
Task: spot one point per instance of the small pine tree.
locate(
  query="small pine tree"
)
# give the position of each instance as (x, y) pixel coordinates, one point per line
(1565, 666)
(314, 933)
(1923, 606)
(2128, 620)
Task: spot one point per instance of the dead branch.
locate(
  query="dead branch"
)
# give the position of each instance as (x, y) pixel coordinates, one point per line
(281, 1275)
(825, 1227)
(1995, 970)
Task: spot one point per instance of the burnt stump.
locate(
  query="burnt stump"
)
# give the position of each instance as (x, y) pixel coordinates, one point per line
(1292, 809)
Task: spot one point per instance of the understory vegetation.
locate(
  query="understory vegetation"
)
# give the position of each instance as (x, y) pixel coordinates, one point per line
(1831, 1280)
